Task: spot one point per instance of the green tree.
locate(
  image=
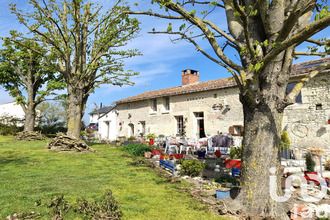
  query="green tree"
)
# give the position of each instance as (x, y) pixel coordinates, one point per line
(26, 76)
(86, 44)
(264, 35)
(52, 114)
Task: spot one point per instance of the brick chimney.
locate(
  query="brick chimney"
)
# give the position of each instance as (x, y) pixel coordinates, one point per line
(189, 77)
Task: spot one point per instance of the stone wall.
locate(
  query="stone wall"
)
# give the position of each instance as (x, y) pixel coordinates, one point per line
(217, 118)
(307, 122)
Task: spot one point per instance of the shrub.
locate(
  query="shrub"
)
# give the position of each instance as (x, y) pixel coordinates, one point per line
(327, 165)
(131, 138)
(192, 167)
(236, 153)
(151, 136)
(138, 149)
(9, 129)
(285, 139)
(310, 163)
(226, 179)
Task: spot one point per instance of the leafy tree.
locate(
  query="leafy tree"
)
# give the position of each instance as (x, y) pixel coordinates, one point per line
(52, 115)
(264, 35)
(86, 46)
(26, 76)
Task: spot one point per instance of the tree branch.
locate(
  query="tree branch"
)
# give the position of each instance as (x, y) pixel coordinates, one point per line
(311, 29)
(291, 97)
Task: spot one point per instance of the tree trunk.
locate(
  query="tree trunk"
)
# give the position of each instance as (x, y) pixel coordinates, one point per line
(262, 129)
(75, 112)
(30, 116)
(30, 109)
(263, 107)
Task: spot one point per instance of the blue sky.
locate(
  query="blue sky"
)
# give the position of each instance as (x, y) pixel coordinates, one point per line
(159, 67)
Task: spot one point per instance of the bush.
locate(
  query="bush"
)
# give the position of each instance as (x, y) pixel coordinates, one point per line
(192, 167)
(236, 153)
(310, 163)
(138, 149)
(285, 139)
(9, 129)
(327, 165)
(226, 179)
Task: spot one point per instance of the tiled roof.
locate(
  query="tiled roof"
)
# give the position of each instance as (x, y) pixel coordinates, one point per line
(104, 109)
(196, 87)
(308, 66)
(297, 70)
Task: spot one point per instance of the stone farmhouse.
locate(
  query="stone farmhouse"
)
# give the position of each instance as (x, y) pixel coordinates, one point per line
(201, 109)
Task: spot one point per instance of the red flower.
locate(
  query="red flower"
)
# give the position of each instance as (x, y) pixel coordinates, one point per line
(217, 153)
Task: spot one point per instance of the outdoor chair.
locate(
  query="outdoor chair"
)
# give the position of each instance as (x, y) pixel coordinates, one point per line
(203, 144)
(237, 142)
(184, 146)
(171, 144)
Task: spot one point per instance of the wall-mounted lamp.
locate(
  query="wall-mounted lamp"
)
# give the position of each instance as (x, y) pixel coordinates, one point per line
(129, 115)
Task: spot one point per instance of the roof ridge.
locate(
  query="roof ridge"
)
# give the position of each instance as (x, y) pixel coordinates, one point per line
(215, 83)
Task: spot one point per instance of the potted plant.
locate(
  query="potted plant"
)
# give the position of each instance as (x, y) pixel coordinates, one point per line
(310, 168)
(151, 137)
(285, 145)
(310, 163)
(201, 153)
(235, 157)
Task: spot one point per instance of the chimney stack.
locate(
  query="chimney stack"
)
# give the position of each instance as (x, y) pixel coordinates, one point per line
(189, 77)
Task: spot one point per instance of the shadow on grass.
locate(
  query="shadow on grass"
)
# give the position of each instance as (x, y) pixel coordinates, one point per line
(14, 159)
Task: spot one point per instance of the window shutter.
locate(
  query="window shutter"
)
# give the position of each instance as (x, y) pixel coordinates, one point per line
(231, 130)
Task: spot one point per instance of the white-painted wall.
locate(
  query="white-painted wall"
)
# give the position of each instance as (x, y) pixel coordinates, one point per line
(11, 109)
(108, 125)
(93, 118)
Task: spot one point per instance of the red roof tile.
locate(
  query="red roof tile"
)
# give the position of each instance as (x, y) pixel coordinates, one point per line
(297, 70)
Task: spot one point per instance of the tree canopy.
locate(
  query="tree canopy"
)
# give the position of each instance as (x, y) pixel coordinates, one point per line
(87, 45)
(26, 75)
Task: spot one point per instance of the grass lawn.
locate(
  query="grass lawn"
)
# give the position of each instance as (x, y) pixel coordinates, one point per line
(28, 173)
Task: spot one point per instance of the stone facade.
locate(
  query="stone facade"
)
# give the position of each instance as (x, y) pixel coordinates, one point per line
(199, 111)
(307, 123)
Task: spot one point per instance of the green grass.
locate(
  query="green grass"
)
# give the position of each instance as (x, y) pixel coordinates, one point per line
(28, 172)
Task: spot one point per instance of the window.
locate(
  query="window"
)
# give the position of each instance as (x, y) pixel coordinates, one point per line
(236, 130)
(179, 120)
(142, 128)
(167, 104)
(154, 105)
(289, 89)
